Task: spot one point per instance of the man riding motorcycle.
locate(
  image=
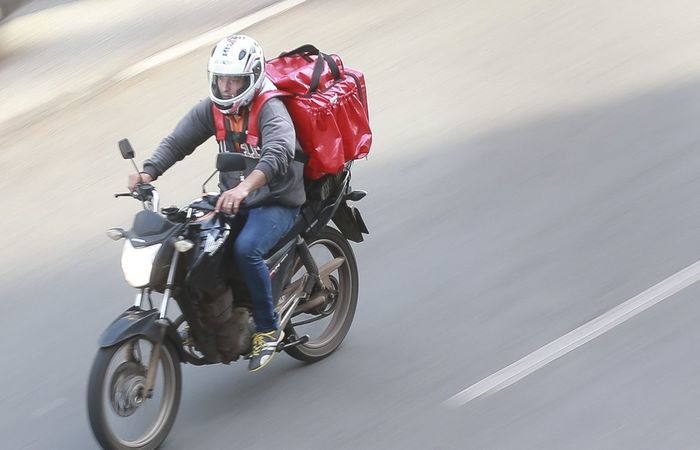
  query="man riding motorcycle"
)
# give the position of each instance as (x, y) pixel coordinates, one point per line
(271, 186)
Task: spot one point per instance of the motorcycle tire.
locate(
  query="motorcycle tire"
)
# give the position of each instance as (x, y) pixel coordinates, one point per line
(111, 394)
(347, 284)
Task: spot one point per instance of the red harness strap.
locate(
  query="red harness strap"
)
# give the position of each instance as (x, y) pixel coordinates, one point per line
(252, 133)
(219, 123)
(252, 136)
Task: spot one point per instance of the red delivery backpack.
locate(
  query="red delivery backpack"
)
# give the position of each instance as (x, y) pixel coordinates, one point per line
(327, 103)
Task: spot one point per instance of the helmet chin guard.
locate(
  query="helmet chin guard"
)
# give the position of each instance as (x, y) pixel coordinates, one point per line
(236, 73)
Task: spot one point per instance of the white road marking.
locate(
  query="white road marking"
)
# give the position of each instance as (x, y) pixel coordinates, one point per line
(207, 38)
(576, 338)
(83, 86)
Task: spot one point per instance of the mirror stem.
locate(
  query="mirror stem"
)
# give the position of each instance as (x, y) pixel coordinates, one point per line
(137, 169)
(204, 185)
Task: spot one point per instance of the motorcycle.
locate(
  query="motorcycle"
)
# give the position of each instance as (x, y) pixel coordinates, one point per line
(182, 254)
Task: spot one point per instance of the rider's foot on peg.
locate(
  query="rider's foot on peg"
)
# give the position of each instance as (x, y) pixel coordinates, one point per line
(264, 348)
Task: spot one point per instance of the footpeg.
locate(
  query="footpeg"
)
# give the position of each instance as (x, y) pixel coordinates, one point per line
(285, 345)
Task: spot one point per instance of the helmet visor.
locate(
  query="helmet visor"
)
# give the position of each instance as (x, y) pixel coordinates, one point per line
(228, 87)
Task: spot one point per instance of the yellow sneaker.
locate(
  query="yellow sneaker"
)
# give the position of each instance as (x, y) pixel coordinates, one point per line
(264, 349)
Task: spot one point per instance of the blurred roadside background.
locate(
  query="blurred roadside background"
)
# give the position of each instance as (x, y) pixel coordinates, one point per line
(8, 6)
(535, 164)
(64, 48)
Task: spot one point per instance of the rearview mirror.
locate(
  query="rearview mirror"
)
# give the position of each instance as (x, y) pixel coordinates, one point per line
(126, 149)
(230, 162)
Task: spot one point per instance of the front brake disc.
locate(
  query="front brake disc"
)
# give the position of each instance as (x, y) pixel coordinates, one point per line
(127, 387)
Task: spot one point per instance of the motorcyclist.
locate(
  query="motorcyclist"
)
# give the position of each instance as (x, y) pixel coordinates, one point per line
(272, 188)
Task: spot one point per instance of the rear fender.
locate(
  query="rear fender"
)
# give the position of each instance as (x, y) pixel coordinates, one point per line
(350, 223)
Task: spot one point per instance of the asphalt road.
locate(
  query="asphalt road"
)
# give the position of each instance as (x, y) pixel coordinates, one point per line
(534, 166)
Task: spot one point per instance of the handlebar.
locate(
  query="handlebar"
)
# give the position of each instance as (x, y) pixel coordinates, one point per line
(212, 199)
(145, 193)
(208, 203)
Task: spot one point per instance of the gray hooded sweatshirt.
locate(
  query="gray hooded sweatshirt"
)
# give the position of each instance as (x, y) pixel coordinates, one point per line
(274, 155)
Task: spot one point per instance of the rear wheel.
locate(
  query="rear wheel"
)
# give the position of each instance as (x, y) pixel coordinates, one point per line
(121, 416)
(328, 324)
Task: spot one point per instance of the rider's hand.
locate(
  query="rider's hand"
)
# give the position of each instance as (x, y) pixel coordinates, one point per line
(230, 201)
(138, 178)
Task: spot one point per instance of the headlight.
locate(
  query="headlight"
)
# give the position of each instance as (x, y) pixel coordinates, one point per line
(137, 263)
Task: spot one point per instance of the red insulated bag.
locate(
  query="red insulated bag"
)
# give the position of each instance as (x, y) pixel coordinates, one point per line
(327, 103)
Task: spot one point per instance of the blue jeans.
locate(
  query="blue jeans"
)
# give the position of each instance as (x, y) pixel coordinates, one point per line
(264, 227)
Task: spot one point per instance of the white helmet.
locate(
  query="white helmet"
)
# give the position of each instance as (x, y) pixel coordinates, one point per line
(236, 73)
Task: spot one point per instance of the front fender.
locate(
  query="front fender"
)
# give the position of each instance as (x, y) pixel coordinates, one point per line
(132, 322)
(136, 322)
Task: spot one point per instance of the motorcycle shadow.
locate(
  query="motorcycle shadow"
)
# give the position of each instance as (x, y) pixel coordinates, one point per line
(231, 391)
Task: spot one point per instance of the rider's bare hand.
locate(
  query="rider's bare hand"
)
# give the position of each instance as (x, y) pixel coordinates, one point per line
(138, 178)
(230, 201)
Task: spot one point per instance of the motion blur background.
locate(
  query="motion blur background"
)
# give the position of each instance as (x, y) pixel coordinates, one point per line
(535, 164)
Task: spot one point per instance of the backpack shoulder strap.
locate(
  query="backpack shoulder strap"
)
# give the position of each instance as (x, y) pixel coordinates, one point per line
(252, 137)
(219, 123)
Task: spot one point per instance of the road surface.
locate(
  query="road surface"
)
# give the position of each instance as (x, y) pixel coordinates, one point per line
(534, 166)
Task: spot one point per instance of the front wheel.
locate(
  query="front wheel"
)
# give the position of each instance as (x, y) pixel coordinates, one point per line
(121, 416)
(328, 325)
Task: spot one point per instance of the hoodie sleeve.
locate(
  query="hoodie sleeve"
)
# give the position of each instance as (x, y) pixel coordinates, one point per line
(192, 131)
(278, 139)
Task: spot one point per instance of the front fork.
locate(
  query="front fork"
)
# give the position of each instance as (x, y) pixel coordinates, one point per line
(162, 322)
